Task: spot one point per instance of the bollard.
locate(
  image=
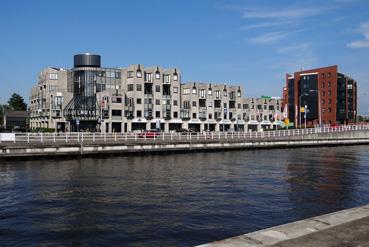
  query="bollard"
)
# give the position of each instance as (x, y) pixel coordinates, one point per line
(115, 136)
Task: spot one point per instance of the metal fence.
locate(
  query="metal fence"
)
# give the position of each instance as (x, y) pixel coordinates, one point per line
(87, 137)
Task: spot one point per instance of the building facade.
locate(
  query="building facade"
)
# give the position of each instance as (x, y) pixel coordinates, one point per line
(89, 97)
(322, 96)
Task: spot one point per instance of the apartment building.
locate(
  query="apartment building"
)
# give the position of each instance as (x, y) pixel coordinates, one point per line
(324, 94)
(47, 99)
(89, 97)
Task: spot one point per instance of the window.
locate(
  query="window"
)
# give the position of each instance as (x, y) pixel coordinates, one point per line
(116, 100)
(329, 74)
(210, 92)
(239, 106)
(130, 87)
(157, 102)
(138, 72)
(175, 114)
(110, 74)
(217, 94)
(225, 93)
(323, 101)
(245, 106)
(186, 104)
(329, 109)
(116, 112)
(329, 84)
(210, 104)
(329, 101)
(323, 84)
(53, 76)
(139, 101)
(166, 78)
(186, 91)
(265, 107)
(130, 74)
(148, 77)
(194, 103)
(175, 89)
(323, 75)
(323, 93)
(139, 87)
(202, 93)
(139, 113)
(238, 93)
(194, 91)
(210, 116)
(175, 102)
(157, 88)
(157, 75)
(329, 92)
(193, 115)
(157, 114)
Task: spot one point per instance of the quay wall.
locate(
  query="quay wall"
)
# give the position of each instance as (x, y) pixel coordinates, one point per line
(52, 149)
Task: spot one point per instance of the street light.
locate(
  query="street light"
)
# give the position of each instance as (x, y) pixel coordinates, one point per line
(319, 106)
(305, 94)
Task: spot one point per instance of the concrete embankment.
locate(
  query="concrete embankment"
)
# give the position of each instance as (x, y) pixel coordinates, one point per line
(344, 228)
(89, 148)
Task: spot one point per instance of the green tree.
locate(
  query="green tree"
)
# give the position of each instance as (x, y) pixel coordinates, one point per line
(16, 102)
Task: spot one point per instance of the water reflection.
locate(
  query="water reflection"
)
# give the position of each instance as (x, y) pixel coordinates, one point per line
(326, 184)
(179, 200)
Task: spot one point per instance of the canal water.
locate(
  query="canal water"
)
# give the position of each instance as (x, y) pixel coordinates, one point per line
(175, 200)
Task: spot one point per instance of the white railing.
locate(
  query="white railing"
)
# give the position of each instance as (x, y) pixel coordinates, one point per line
(87, 137)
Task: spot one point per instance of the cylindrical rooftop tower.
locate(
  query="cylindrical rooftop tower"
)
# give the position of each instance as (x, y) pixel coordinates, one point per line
(87, 60)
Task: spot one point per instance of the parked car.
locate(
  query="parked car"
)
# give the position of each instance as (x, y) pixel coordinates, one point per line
(150, 133)
(190, 131)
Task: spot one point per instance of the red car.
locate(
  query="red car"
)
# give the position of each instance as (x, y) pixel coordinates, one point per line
(149, 134)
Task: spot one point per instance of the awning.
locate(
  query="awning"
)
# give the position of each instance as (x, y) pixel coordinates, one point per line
(194, 121)
(266, 123)
(225, 121)
(161, 120)
(139, 120)
(176, 121)
(210, 121)
(253, 122)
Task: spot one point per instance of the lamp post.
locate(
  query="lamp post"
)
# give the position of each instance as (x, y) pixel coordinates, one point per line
(305, 94)
(319, 106)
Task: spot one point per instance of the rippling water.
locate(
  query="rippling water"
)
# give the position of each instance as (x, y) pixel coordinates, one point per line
(175, 200)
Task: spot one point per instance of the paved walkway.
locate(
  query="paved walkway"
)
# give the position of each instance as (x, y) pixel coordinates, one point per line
(346, 228)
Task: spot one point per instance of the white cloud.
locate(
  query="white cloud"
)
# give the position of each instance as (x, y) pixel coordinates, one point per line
(294, 48)
(265, 25)
(363, 43)
(268, 38)
(291, 13)
(296, 56)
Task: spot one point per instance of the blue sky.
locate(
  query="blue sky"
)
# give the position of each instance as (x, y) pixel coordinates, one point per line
(253, 43)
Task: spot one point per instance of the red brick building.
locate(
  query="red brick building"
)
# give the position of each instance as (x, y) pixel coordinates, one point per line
(325, 93)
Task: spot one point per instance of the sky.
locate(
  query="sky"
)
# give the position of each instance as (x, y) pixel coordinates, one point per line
(250, 42)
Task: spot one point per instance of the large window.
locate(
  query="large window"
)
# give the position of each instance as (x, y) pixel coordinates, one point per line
(130, 74)
(148, 77)
(186, 91)
(130, 87)
(53, 76)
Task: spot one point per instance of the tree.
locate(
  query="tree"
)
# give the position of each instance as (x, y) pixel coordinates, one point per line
(16, 102)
